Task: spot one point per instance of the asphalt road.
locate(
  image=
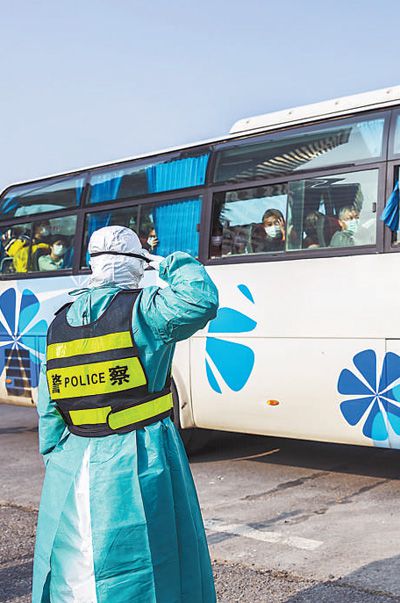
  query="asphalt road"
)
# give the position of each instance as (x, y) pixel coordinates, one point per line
(287, 521)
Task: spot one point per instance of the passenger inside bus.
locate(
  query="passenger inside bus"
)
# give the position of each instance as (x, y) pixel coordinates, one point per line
(348, 221)
(55, 260)
(270, 235)
(148, 239)
(319, 229)
(236, 240)
(22, 249)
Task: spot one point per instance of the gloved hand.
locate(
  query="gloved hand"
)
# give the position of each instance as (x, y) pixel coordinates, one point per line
(155, 260)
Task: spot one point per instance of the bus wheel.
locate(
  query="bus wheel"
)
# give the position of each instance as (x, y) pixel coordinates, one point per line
(194, 439)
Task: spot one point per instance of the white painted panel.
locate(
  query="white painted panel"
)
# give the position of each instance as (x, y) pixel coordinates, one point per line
(302, 374)
(339, 297)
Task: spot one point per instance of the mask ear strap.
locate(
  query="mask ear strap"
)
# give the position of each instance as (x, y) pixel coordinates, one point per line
(131, 255)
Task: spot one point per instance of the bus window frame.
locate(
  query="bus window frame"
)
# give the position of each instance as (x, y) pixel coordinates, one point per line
(158, 158)
(300, 254)
(386, 113)
(161, 199)
(51, 180)
(45, 273)
(391, 155)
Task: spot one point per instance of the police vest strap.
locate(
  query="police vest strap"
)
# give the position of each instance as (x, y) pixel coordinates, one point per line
(127, 417)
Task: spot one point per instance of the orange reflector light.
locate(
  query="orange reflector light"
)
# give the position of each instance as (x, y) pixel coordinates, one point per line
(273, 402)
(8, 380)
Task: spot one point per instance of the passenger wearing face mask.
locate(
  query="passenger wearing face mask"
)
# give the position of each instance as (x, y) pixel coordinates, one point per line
(24, 252)
(55, 259)
(271, 234)
(348, 222)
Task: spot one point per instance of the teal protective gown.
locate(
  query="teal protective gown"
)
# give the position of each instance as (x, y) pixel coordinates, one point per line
(119, 518)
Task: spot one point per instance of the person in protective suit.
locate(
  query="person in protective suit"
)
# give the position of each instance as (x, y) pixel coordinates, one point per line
(119, 519)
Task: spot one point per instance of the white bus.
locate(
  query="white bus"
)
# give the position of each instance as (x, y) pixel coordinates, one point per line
(285, 214)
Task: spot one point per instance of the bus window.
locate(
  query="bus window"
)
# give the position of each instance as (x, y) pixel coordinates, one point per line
(162, 228)
(313, 147)
(142, 178)
(40, 197)
(250, 220)
(325, 211)
(333, 211)
(123, 216)
(39, 246)
(396, 140)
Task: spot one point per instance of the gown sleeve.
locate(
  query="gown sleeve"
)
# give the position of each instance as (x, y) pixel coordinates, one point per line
(186, 305)
(51, 424)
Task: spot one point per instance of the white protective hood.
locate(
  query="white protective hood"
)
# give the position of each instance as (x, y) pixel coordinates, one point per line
(120, 270)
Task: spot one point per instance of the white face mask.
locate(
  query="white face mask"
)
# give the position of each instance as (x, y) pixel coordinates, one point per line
(273, 231)
(59, 250)
(352, 225)
(216, 240)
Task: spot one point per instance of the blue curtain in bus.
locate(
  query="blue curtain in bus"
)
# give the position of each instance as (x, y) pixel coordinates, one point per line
(95, 222)
(80, 183)
(390, 215)
(105, 187)
(176, 227)
(181, 173)
(176, 223)
(9, 205)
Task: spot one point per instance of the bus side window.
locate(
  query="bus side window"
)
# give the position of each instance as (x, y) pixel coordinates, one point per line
(42, 196)
(162, 228)
(39, 246)
(333, 211)
(249, 221)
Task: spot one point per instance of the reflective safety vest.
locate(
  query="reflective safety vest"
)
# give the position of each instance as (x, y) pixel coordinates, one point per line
(95, 375)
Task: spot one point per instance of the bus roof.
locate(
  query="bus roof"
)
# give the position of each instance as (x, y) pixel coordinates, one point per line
(384, 97)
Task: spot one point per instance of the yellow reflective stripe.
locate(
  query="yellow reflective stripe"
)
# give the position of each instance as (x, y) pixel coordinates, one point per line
(144, 411)
(95, 378)
(77, 347)
(92, 416)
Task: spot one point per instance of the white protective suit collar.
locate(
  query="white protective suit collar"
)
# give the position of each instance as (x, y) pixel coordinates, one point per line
(112, 268)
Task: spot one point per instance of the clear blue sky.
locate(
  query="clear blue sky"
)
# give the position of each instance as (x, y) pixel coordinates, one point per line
(89, 81)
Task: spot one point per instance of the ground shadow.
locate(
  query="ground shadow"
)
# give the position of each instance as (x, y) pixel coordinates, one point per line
(376, 582)
(20, 429)
(342, 458)
(16, 581)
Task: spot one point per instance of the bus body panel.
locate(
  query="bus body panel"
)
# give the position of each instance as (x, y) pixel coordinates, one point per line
(27, 308)
(288, 338)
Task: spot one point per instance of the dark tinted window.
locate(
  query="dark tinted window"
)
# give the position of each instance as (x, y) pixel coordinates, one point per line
(281, 153)
(140, 179)
(40, 197)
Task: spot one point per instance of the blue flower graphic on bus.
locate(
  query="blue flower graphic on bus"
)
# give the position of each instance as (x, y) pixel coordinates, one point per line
(232, 362)
(376, 403)
(22, 341)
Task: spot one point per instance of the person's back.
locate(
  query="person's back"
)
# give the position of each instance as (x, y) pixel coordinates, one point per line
(119, 517)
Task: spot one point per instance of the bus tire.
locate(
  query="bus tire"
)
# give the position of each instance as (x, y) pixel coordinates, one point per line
(194, 439)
